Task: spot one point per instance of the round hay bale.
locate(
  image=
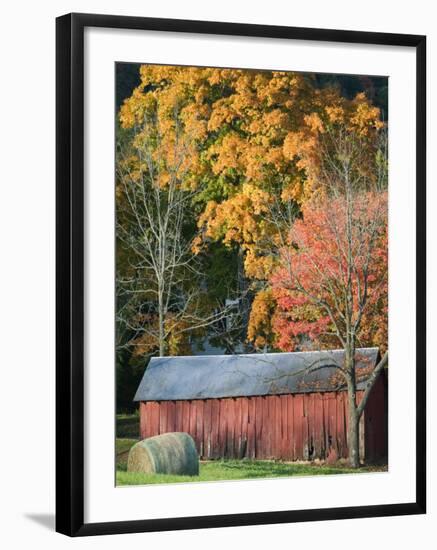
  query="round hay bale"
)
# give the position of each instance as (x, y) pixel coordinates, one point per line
(170, 453)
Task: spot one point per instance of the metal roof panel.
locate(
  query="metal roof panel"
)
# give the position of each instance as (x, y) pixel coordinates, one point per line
(215, 376)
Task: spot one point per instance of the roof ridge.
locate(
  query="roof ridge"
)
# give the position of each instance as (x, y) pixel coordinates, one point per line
(260, 354)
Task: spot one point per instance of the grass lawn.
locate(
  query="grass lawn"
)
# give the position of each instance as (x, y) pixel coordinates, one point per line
(216, 470)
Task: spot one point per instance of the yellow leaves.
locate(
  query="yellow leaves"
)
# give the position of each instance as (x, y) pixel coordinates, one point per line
(293, 191)
(256, 265)
(365, 117)
(201, 93)
(241, 220)
(214, 77)
(335, 113)
(229, 153)
(292, 142)
(235, 220)
(177, 340)
(259, 330)
(314, 122)
(221, 114)
(197, 245)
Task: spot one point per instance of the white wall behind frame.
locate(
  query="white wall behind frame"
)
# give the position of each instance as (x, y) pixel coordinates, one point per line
(27, 276)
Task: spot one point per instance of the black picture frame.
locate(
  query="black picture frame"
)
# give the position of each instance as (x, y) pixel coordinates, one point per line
(70, 273)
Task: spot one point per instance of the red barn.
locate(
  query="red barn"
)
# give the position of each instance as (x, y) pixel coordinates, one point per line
(289, 406)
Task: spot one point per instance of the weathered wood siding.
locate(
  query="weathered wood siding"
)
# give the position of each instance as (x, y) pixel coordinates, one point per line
(290, 427)
(376, 422)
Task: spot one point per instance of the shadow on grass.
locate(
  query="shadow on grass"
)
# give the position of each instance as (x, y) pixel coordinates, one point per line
(252, 469)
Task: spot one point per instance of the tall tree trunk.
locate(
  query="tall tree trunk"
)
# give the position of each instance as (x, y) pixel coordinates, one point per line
(161, 335)
(161, 321)
(353, 436)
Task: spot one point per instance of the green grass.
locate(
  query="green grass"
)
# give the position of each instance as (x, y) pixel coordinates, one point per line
(216, 470)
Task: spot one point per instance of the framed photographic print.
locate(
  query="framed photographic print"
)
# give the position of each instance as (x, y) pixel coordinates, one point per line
(240, 274)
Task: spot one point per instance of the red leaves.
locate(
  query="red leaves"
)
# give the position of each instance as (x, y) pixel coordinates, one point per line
(334, 269)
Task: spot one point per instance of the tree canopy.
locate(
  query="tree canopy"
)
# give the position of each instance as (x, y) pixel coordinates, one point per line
(257, 147)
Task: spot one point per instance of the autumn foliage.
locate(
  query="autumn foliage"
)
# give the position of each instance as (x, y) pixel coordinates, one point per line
(255, 145)
(310, 285)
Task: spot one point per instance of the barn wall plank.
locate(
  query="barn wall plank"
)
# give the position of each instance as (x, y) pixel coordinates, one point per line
(176, 416)
(277, 427)
(319, 427)
(222, 427)
(375, 422)
(290, 423)
(269, 411)
(186, 416)
(341, 434)
(231, 427)
(326, 423)
(154, 418)
(207, 429)
(311, 427)
(285, 433)
(171, 416)
(143, 420)
(266, 431)
(244, 426)
(305, 442)
(298, 426)
(251, 450)
(258, 427)
(163, 417)
(237, 427)
(332, 422)
(192, 419)
(215, 420)
(199, 426)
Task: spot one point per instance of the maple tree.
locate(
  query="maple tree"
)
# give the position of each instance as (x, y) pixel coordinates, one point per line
(314, 287)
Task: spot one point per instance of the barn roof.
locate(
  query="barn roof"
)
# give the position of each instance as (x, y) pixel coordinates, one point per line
(214, 376)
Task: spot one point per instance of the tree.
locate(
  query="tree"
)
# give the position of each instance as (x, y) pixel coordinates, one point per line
(332, 275)
(159, 302)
